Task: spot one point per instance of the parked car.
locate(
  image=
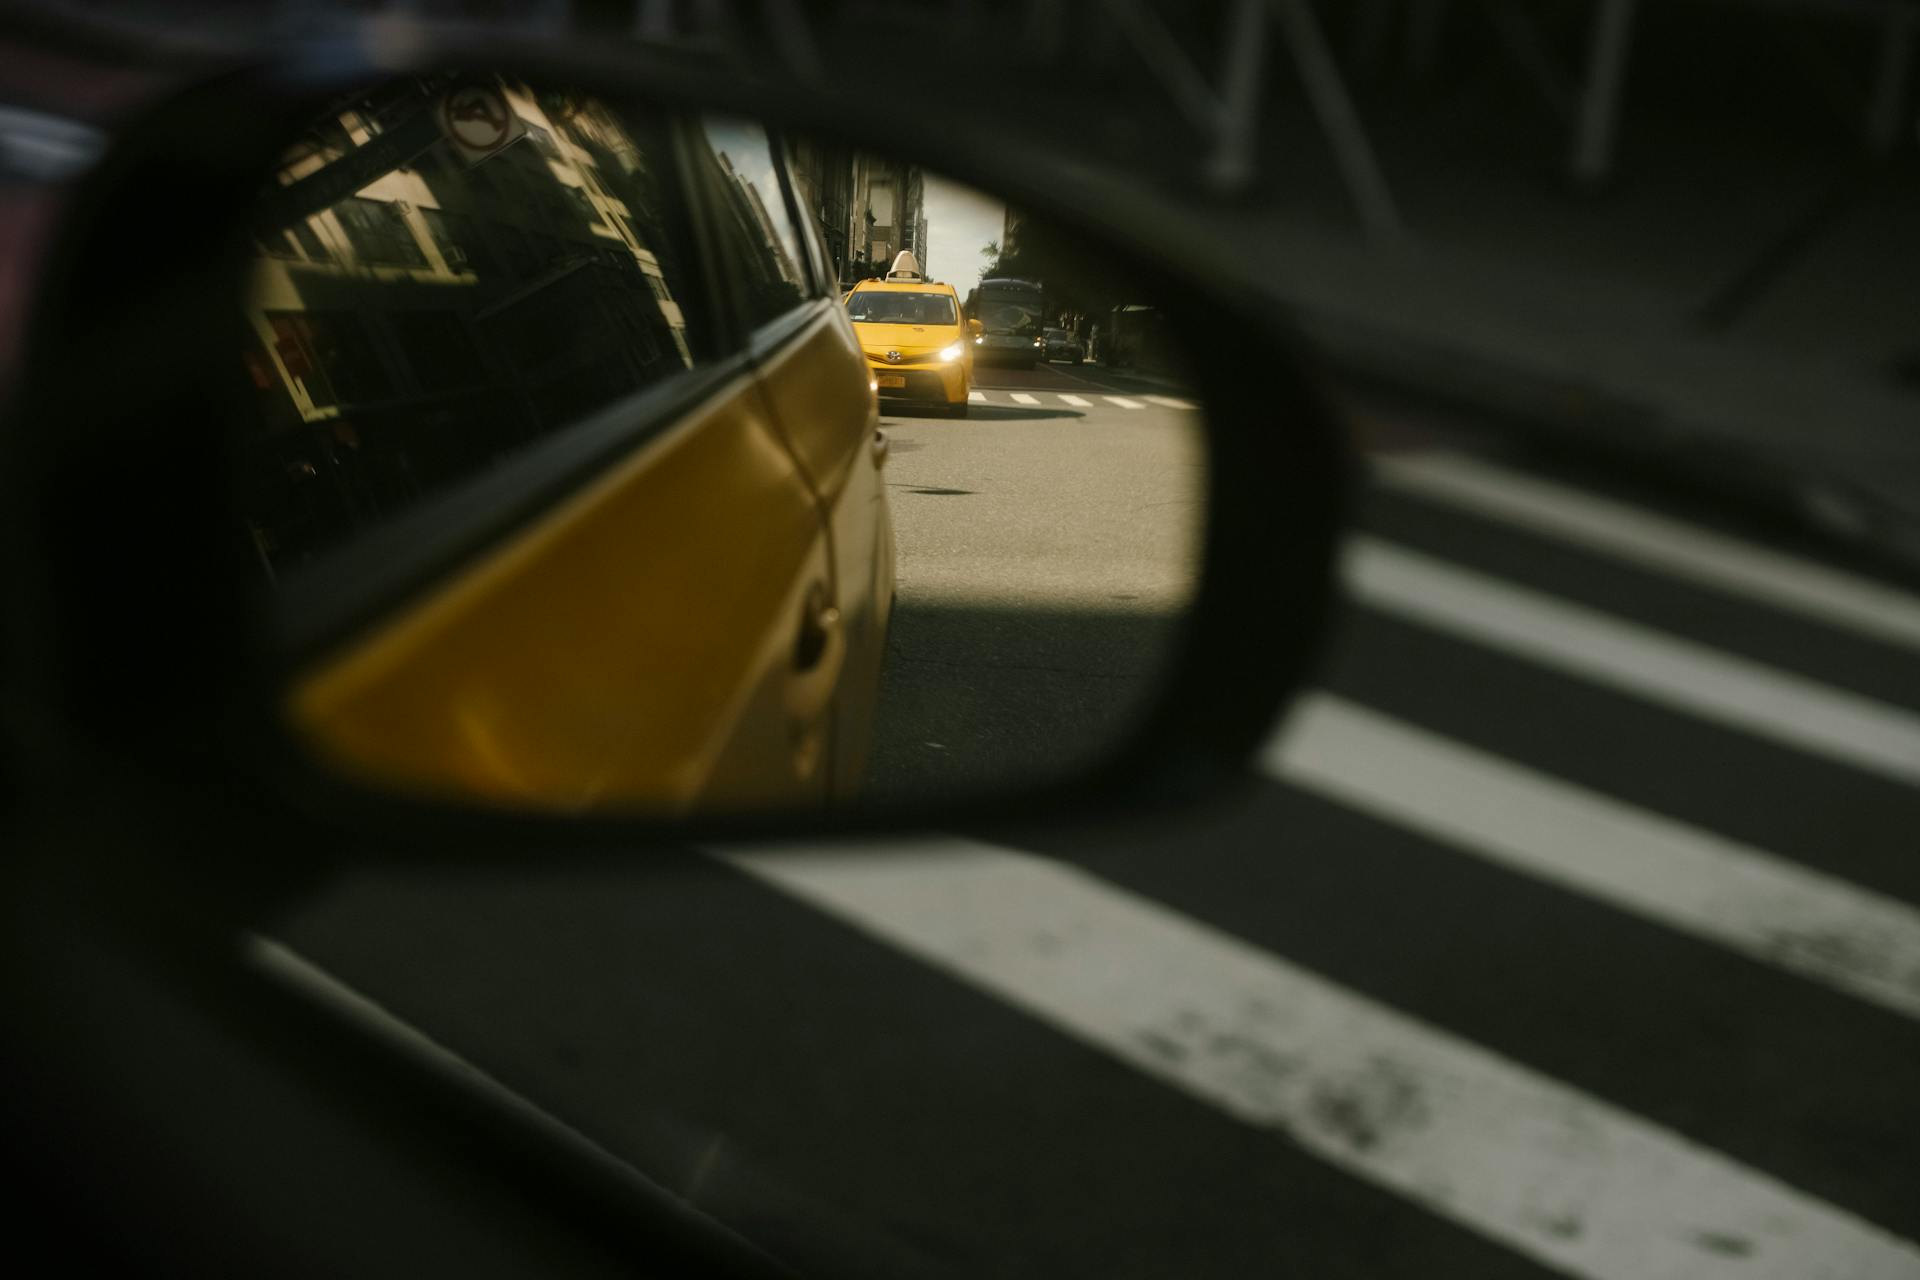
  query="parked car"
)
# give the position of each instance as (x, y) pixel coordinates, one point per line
(1063, 345)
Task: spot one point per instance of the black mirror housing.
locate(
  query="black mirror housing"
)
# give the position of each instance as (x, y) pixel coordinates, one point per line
(144, 646)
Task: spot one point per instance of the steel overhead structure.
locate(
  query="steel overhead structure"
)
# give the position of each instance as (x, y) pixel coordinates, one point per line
(1207, 68)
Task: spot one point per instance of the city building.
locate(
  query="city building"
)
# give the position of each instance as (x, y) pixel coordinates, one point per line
(417, 303)
(867, 208)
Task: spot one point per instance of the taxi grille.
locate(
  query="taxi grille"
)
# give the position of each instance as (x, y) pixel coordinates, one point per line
(878, 359)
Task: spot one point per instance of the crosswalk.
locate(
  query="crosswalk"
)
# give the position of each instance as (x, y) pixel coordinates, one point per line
(1037, 399)
(1558, 1172)
(1572, 927)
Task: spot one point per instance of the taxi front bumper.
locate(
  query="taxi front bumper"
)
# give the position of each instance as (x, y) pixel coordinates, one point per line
(927, 383)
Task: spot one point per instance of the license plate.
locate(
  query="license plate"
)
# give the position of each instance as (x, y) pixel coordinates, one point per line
(893, 379)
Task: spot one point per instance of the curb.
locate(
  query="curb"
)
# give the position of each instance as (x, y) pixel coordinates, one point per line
(1612, 426)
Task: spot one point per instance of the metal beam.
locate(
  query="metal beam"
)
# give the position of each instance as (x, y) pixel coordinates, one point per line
(1231, 166)
(1425, 20)
(1889, 117)
(1610, 41)
(1339, 121)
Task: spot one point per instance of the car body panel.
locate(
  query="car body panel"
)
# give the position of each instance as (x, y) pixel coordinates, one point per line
(535, 674)
(817, 383)
(1062, 345)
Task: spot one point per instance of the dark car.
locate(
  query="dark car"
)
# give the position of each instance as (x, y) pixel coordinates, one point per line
(1062, 345)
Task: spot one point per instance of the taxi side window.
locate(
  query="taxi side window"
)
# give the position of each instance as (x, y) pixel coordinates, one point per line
(430, 299)
(756, 234)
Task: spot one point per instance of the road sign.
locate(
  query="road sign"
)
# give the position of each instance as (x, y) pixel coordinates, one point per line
(477, 121)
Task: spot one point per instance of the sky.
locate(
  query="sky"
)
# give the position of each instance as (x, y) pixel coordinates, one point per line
(960, 220)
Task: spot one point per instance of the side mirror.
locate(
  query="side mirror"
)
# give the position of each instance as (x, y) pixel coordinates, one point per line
(578, 503)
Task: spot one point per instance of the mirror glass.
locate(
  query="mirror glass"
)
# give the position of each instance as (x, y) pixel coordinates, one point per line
(609, 457)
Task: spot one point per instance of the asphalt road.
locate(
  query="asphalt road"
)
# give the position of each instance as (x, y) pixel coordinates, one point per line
(1571, 929)
(1048, 545)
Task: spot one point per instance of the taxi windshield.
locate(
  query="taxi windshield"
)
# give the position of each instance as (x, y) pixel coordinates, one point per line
(889, 307)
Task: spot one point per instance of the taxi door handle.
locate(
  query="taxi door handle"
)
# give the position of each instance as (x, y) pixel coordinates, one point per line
(819, 651)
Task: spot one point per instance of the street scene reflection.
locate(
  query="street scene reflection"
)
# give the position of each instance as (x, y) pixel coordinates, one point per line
(662, 462)
(1049, 539)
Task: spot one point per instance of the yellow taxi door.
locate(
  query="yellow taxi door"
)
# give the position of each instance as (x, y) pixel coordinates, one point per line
(817, 387)
(633, 646)
(606, 580)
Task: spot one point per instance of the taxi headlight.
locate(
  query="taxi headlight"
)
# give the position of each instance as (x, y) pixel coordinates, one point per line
(953, 352)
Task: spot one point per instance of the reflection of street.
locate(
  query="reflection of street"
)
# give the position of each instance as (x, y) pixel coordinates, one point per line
(1047, 545)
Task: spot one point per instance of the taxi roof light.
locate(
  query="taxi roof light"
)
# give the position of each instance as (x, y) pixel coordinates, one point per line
(906, 267)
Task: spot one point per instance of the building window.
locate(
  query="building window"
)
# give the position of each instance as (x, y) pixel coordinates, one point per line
(458, 240)
(329, 353)
(309, 241)
(379, 233)
(437, 349)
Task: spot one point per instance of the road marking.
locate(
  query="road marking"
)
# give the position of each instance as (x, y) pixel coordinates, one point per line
(1076, 401)
(976, 397)
(1022, 398)
(1470, 1136)
(1789, 709)
(1758, 904)
(1678, 548)
(1123, 402)
(1169, 402)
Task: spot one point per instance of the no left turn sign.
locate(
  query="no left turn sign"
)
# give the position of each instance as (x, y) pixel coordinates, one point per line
(478, 122)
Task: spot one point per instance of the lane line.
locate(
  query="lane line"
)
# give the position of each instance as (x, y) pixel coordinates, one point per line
(976, 397)
(1683, 550)
(1076, 401)
(1787, 708)
(1123, 402)
(1467, 1135)
(1756, 903)
(1169, 402)
(1022, 398)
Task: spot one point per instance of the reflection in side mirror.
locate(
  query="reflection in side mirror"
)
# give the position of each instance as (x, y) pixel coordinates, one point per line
(559, 546)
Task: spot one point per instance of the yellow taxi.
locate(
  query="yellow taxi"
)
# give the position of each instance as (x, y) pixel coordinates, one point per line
(918, 346)
(574, 504)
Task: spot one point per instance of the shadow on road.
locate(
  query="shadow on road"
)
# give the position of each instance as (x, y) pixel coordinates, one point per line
(981, 413)
(978, 698)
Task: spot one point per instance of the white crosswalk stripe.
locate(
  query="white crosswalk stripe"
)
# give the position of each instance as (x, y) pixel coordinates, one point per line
(1465, 1133)
(1672, 546)
(1078, 402)
(1693, 678)
(1747, 899)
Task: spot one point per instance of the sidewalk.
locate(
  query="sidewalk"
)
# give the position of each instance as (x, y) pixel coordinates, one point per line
(1625, 322)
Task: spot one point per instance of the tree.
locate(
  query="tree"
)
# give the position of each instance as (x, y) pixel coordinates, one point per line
(1077, 282)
